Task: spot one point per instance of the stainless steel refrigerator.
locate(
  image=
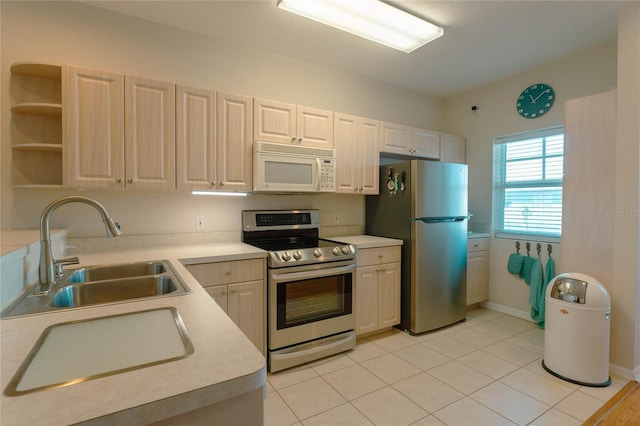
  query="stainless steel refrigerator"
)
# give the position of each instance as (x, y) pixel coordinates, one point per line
(424, 203)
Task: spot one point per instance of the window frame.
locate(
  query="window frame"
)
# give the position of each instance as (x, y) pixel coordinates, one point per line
(500, 186)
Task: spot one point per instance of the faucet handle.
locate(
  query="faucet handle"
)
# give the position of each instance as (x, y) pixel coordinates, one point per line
(59, 263)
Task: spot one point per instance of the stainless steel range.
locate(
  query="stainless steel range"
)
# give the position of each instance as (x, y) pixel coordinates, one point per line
(310, 286)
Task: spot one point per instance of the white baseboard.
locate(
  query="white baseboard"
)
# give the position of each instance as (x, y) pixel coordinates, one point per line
(625, 373)
(616, 370)
(507, 310)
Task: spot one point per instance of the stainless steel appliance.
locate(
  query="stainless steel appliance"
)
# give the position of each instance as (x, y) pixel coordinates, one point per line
(424, 203)
(293, 168)
(310, 296)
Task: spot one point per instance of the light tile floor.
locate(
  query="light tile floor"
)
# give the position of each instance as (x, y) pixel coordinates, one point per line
(484, 371)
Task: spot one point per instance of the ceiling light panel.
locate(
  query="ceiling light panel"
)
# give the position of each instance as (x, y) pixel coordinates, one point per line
(370, 19)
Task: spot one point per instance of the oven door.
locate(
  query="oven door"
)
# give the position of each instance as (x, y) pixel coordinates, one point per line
(310, 302)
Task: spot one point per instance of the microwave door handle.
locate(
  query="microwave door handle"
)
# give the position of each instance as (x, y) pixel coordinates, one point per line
(318, 174)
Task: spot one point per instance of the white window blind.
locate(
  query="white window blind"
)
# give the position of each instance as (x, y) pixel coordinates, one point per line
(528, 182)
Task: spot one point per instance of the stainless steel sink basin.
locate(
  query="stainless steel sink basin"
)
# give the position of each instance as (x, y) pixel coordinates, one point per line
(110, 272)
(112, 291)
(102, 284)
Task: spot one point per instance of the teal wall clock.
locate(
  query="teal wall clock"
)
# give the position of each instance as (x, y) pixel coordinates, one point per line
(535, 100)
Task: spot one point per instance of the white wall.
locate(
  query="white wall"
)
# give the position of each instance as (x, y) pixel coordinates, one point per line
(73, 33)
(588, 73)
(593, 72)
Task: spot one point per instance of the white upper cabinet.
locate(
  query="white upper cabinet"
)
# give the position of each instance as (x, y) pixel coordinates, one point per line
(279, 122)
(425, 143)
(234, 124)
(405, 140)
(356, 142)
(150, 136)
(195, 138)
(395, 138)
(93, 131)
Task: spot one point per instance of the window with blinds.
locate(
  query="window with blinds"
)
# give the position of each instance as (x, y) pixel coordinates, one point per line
(528, 182)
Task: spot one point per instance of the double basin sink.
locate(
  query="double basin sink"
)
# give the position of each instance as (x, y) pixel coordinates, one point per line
(101, 284)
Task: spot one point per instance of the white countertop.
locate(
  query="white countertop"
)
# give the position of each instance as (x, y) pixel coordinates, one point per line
(224, 363)
(367, 241)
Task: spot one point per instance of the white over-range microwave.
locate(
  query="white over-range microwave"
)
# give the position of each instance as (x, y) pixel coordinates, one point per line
(293, 168)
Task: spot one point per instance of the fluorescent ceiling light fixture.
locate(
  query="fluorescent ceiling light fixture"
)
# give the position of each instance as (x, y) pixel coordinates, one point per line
(371, 19)
(223, 193)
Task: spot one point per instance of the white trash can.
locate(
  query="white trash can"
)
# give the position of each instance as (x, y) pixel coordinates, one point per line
(577, 330)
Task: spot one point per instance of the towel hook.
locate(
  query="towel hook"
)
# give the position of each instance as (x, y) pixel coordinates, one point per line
(528, 246)
(539, 248)
(518, 247)
(549, 249)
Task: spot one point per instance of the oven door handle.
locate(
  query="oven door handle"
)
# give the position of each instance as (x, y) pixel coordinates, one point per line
(304, 275)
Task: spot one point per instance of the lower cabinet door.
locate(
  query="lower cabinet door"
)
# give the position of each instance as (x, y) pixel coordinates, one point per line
(245, 306)
(367, 299)
(389, 295)
(219, 294)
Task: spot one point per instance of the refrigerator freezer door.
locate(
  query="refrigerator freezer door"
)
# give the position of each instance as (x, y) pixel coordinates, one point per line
(439, 274)
(439, 189)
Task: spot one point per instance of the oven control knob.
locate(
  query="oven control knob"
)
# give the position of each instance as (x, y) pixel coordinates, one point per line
(297, 255)
(345, 249)
(336, 251)
(317, 253)
(286, 256)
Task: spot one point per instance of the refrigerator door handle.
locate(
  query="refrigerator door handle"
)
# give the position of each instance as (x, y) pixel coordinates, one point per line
(440, 219)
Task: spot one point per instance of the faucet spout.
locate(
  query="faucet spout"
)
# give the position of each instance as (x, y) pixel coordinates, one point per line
(47, 273)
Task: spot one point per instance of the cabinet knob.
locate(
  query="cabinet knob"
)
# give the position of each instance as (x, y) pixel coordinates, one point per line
(118, 180)
(213, 183)
(300, 140)
(130, 180)
(227, 273)
(293, 139)
(233, 291)
(222, 183)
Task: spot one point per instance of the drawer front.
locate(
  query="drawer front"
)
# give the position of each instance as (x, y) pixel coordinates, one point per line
(210, 274)
(477, 244)
(377, 255)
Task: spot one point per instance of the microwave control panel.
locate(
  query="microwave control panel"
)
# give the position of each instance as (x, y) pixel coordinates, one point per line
(327, 175)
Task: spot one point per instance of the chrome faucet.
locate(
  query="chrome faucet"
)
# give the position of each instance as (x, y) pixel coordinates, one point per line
(51, 269)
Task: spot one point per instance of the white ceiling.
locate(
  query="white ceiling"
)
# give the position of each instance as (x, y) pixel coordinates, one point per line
(483, 42)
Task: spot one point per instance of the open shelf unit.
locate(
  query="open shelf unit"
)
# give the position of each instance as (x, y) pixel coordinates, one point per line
(36, 125)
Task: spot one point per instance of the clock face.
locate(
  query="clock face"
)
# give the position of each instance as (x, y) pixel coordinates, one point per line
(535, 100)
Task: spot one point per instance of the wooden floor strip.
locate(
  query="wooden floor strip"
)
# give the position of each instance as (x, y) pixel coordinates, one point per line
(621, 410)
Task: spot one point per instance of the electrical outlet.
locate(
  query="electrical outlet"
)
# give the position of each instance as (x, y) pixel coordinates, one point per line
(199, 223)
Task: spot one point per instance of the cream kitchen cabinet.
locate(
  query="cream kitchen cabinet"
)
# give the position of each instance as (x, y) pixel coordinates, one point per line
(149, 134)
(213, 140)
(284, 123)
(477, 270)
(452, 148)
(356, 141)
(377, 288)
(405, 140)
(238, 288)
(119, 131)
(36, 125)
(234, 129)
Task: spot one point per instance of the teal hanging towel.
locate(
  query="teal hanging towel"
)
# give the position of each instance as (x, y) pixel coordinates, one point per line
(514, 264)
(549, 273)
(535, 286)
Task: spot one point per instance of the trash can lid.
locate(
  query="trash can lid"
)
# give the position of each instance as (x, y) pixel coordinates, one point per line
(574, 287)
